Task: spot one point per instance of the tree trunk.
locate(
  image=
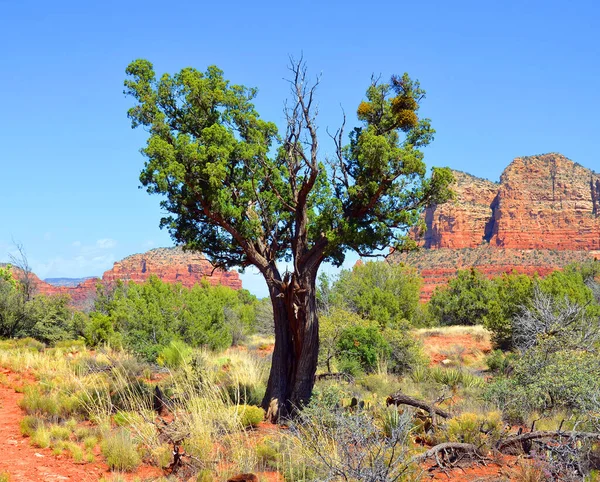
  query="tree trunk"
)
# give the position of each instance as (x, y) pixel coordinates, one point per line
(296, 351)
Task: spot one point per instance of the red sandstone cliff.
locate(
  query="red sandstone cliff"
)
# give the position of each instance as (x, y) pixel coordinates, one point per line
(172, 265)
(543, 215)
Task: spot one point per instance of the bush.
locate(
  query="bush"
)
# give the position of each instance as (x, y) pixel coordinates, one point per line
(249, 415)
(466, 300)
(500, 362)
(364, 344)
(478, 429)
(120, 451)
(174, 354)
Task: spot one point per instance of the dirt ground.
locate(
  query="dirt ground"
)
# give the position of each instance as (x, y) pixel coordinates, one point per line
(30, 464)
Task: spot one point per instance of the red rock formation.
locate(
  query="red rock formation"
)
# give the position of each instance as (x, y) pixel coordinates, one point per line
(172, 265)
(544, 214)
(547, 202)
(462, 223)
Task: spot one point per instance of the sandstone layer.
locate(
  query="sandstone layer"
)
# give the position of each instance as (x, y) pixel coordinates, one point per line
(543, 215)
(172, 265)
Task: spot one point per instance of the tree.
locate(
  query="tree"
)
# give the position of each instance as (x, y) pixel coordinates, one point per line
(245, 196)
(384, 292)
(465, 301)
(514, 293)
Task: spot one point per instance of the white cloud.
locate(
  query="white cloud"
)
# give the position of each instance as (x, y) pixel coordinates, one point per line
(106, 243)
(83, 260)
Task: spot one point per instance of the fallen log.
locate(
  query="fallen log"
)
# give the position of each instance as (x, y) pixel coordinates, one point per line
(458, 450)
(526, 438)
(401, 399)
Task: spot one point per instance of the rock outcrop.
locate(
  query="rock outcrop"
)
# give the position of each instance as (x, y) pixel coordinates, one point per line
(172, 265)
(543, 215)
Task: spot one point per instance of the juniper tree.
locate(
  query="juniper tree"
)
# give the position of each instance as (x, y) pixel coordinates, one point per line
(244, 195)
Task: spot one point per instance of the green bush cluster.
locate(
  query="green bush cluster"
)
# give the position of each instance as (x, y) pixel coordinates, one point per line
(365, 318)
(472, 299)
(48, 319)
(156, 319)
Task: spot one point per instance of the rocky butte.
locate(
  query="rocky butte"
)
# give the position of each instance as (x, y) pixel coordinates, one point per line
(543, 215)
(172, 265)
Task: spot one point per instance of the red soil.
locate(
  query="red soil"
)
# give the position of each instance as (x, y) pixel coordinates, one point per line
(25, 463)
(442, 347)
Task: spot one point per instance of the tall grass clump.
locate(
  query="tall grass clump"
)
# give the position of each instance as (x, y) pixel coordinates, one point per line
(120, 451)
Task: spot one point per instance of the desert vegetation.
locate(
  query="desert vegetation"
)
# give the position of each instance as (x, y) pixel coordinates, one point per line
(495, 375)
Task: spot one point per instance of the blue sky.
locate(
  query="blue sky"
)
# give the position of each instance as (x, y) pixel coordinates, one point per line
(503, 79)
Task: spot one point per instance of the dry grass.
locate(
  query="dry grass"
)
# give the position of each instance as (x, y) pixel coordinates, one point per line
(452, 331)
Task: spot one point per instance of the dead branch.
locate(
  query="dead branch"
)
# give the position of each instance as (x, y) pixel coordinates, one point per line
(336, 376)
(516, 440)
(450, 450)
(401, 399)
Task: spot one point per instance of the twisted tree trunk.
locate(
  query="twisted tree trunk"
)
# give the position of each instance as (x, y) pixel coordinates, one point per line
(296, 351)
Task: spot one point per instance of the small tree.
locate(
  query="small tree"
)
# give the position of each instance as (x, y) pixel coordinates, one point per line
(465, 301)
(245, 196)
(384, 292)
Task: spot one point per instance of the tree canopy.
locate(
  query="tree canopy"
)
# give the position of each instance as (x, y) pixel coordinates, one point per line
(239, 191)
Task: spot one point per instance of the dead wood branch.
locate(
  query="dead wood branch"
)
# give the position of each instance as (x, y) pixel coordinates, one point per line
(447, 453)
(336, 376)
(526, 438)
(401, 399)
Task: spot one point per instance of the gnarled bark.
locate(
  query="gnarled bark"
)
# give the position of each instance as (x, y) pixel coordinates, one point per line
(296, 351)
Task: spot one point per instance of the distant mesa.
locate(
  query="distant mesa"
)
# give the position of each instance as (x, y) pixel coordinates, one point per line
(172, 265)
(69, 282)
(542, 215)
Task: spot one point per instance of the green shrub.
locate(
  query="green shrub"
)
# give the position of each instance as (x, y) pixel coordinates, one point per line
(58, 432)
(120, 451)
(267, 454)
(30, 344)
(350, 366)
(174, 354)
(500, 362)
(364, 344)
(71, 345)
(29, 424)
(250, 416)
(41, 437)
(478, 429)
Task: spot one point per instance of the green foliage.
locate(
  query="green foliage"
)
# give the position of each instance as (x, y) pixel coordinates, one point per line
(250, 416)
(500, 362)
(558, 366)
(209, 154)
(482, 430)
(175, 354)
(120, 451)
(513, 292)
(148, 317)
(572, 284)
(354, 344)
(465, 301)
(12, 305)
(380, 291)
(50, 319)
(363, 343)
